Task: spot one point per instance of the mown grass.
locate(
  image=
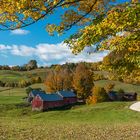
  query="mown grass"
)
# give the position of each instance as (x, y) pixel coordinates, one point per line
(11, 99)
(102, 121)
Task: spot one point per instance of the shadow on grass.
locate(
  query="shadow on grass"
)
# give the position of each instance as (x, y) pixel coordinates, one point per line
(63, 108)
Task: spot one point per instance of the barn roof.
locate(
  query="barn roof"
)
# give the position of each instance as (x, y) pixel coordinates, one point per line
(50, 97)
(35, 92)
(66, 93)
(112, 95)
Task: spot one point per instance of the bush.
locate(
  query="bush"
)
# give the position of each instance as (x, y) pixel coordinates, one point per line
(109, 87)
(138, 98)
(98, 95)
(34, 80)
(38, 79)
(97, 77)
(120, 94)
(120, 91)
(2, 84)
(23, 83)
(28, 90)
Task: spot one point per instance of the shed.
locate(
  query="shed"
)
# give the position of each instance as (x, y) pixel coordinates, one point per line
(130, 97)
(113, 96)
(44, 101)
(69, 97)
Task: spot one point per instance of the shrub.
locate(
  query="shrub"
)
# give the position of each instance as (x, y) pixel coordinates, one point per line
(2, 84)
(28, 90)
(98, 95)
(23, 83)
(120, 94)
(120, 91)
(138, 98)
(97, 77)
(109, 87)
(38, 79)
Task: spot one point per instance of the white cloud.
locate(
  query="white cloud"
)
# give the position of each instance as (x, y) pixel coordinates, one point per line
(22, 50)
(52, 53)
(4, 47)
(20, 32)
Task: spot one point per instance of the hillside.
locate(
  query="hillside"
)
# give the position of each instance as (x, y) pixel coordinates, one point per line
(120, 85)
(102, 121)
(12, 76)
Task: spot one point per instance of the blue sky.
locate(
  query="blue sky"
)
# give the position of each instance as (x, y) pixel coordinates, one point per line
(33, 42)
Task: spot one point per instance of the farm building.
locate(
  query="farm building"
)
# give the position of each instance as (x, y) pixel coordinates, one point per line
(68, 96)
(114, 96)
(33, 93)
(130, 97)
(43, 101)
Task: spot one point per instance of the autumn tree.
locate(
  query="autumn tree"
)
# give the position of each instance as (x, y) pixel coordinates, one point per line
(23, 83)
(51, 81)
(100, 20)
(82, 81)
(58, 79)
(98, 95)
(65, 79)
(21, 13)
(118, 32)
(108, 87)
(32, 64)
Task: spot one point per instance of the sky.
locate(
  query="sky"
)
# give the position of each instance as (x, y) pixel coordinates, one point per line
(19, 46)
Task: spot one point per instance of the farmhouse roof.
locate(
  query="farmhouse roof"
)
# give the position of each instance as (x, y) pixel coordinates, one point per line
(50, 97)
(66, 93)
(35, 92)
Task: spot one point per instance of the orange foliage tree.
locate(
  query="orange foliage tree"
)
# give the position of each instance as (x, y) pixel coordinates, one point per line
(98, 95)
(82, 81)
(58, 79)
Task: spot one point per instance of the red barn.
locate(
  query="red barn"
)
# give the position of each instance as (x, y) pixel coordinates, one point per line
(33, 93)
(44, 101)
(68, 96)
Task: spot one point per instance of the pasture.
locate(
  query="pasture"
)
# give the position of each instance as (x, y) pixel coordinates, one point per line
(101, 121)
(108, 120)
(15, 76)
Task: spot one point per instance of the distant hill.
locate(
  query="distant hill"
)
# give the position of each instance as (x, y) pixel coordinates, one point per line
(15, 76)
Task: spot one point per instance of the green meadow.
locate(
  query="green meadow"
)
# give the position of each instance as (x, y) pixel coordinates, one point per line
(101, 121)
(104, 121)
(15, 76)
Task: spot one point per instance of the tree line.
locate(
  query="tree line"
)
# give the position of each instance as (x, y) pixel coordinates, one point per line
(32, 64)
(22, 83)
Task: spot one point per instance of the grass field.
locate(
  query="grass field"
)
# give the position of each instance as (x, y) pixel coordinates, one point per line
(103, 121)
(12, 76)
(118, 85)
